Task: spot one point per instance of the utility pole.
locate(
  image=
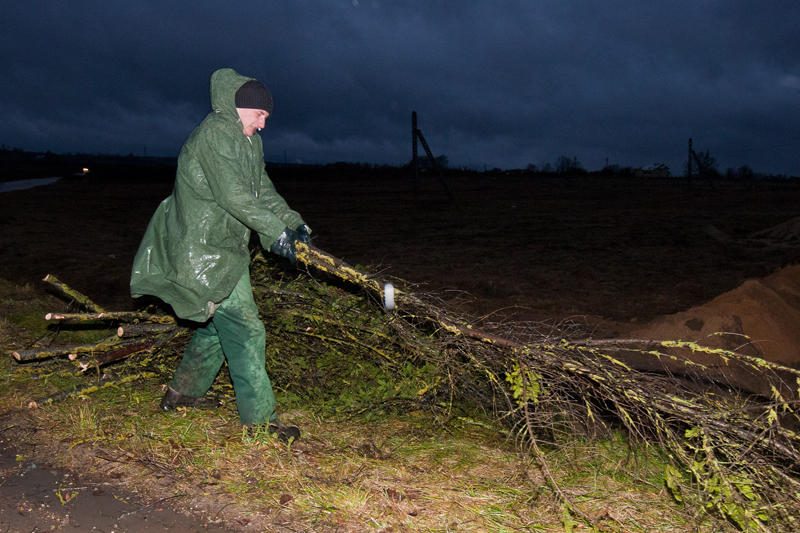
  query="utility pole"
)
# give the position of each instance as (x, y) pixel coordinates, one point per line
(705, 167)
(416, 135)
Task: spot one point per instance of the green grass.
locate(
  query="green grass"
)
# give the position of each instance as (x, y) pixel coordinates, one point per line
(373, 456)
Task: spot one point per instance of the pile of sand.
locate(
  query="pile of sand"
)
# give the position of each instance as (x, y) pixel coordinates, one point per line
(760, 317)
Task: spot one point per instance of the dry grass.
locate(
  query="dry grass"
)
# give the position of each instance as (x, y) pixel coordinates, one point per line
(365, 462)
(352, 475)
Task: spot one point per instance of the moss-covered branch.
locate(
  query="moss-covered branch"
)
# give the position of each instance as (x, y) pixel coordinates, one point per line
(69, 293)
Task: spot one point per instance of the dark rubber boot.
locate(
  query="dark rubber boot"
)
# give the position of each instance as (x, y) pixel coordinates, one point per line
(173, 399)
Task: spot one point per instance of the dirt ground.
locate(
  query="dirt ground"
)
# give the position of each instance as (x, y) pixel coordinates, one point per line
(610, 252)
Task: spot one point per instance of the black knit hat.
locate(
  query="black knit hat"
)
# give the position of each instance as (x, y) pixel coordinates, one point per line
(254, 95)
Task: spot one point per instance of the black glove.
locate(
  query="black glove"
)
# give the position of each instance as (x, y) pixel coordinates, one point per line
(284, 246)
(303, 234)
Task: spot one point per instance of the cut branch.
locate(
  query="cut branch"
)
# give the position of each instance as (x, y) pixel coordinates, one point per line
(71, 294)
(37, 354)
(110, 316)
(144, 329)
(90, 389)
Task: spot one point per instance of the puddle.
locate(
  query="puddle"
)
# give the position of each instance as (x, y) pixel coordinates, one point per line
(37, 497)
(19, 185)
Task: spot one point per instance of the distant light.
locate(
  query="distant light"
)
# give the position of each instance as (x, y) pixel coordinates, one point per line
(84, 171)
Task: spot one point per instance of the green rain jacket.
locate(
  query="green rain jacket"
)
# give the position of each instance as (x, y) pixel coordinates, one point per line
(195, 248)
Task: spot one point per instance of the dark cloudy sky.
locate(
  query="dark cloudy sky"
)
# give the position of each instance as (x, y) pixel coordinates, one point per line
(497, 83)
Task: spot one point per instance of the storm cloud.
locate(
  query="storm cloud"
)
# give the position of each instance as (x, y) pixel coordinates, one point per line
(504, 83)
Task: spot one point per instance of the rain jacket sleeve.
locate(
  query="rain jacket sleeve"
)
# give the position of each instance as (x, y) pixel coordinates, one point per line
(235, 191)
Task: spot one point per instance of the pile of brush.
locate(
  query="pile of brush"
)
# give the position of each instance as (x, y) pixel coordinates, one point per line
(726, 420)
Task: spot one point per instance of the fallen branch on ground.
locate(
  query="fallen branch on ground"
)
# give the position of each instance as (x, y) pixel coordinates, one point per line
(739, 452)
(136, 332)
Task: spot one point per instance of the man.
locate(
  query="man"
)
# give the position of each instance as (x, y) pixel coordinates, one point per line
(194, 254)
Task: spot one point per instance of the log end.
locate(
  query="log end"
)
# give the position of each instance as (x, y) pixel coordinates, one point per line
(16, 356)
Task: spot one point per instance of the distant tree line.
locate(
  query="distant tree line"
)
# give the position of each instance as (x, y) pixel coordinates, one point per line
(704, 166)
(16, 163)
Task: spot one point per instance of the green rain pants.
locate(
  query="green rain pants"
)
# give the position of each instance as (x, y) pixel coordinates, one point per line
(235, 333)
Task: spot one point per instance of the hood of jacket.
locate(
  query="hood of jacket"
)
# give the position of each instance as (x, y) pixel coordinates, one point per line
(224, 84)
